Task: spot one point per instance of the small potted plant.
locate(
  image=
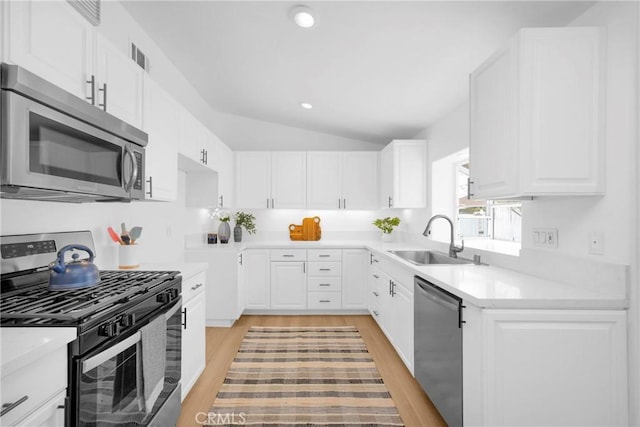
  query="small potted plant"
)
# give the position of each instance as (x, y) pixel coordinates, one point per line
(386, 225)
(243, 220)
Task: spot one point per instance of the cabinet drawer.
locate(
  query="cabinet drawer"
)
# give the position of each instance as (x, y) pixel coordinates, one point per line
(39, 382)
(324, 284)
(288, 255)
(193, 286)
(325, 269)
(328, 300)
(324, 254)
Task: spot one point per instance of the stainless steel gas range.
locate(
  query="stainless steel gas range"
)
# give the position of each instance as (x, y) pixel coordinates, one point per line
(124, 366)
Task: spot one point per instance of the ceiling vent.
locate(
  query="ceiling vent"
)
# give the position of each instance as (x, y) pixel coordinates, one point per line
(139, 57)
(90, 9)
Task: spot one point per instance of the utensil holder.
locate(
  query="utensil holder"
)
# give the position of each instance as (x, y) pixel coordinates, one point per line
(128, 256)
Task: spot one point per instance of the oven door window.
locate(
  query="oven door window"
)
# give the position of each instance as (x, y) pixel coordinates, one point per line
(59, 150)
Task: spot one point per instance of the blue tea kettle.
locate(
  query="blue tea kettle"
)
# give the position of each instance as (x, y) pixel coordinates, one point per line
(77, 274)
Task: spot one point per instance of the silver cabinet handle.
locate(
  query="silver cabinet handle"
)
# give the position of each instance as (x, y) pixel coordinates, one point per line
(390, 202)
(324, 284)
(221, 200)
(375, 313)
(325, 269)
(287, 256)
(240, 261)
(338, 203)
(324, 256)
(267, 203)
(8, 407)
(344, 203)
(469, 193)
(92, 83)
(304, 267)
(150, 192)
(184, 312)
(193, 288)
(376, 276)
(325, 300)
(376, 294)
(104, 97)
(273, 205)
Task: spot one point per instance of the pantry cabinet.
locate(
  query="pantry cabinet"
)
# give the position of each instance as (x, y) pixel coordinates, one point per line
(537, 116)
(270, 179)
(342, 180)
(161, 123)
(52, 40)
(403, 174)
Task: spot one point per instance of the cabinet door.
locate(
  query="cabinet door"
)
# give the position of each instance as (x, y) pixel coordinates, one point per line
(355, 265)
(52, 40)
(360, 180)
(386, 177)
(241, 280)
(119, 82)
(253, 179)
(409, 174)
(225, 176)
(193, 342)
(50, 414)
(493, 152)
(572, 363)
(561, 92)
(161, 123)
(324, 177)
(288, 180)
(257, 280)
(288, 285)
(401, 329)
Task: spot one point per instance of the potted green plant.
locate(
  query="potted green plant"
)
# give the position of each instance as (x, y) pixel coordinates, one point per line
(245, 220)
(386, 225)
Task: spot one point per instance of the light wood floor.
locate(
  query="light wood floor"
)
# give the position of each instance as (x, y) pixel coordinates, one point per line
(223, 343)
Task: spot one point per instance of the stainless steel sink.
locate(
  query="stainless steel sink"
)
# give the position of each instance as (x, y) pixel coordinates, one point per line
(429, 257)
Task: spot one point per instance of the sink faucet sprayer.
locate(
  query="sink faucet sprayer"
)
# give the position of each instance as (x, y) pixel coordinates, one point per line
(453, 249)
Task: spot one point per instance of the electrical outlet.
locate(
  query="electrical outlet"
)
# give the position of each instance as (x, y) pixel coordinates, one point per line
(596, 243)
(545, 237)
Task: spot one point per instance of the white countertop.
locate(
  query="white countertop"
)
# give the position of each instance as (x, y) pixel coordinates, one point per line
(485, 286)
(22, 346)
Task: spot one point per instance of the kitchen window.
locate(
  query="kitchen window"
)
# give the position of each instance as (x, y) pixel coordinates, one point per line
(499, 220)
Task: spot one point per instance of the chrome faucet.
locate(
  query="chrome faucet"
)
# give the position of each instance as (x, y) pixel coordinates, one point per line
(453, 249)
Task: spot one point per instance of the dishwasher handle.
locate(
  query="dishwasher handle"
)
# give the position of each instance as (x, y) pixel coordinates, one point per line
(438, 295)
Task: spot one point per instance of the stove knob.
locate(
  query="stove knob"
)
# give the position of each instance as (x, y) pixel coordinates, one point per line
(127, 320)
(174, 293)
(162, 297)
(110, 329)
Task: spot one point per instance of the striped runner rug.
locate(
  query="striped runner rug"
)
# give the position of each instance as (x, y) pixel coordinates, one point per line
(315, 376)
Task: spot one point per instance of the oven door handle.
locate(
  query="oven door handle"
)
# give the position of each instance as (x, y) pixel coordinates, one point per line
(112, 351)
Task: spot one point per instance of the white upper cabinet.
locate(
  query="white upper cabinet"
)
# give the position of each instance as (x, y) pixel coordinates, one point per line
(119, 83)
(196, 141)
(342, 180)
(404, 174)
(161, 123)
(537, 116)
(270, 180)
(52, 40)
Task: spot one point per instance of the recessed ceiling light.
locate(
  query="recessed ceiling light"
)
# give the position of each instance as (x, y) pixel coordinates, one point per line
(303, 16)
(306, 105)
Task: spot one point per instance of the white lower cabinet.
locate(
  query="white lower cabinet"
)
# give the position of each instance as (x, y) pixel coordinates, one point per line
(51, 414)
(545, 367)
(355, 265)
(390, 302)
(193, 330)
(257, 278)
(288, 285)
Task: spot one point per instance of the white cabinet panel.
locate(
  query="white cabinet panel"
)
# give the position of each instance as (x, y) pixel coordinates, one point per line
(288, 285)
(404, 174)
(193, 334)
(355, 266)
(119, 83)
(52, 40)
(253, 179)
(537, 116)
(572, 363)
(324, 180)
(161, 124)
(288, 180)
(257, 273)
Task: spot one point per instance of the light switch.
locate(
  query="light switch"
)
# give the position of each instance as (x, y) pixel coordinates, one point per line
(546, 237)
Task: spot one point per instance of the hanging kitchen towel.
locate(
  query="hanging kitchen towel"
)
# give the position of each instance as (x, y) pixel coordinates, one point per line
(154, 349)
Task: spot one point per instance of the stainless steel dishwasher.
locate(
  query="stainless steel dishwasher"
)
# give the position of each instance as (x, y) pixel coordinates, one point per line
(438, 348)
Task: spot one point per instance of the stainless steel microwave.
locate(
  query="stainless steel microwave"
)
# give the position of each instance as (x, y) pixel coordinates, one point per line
(57, 147)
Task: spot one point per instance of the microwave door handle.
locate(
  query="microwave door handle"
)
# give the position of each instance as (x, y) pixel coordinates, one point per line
(134, 170)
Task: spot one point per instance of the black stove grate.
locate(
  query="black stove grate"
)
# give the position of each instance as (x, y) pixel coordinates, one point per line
(39, 305)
